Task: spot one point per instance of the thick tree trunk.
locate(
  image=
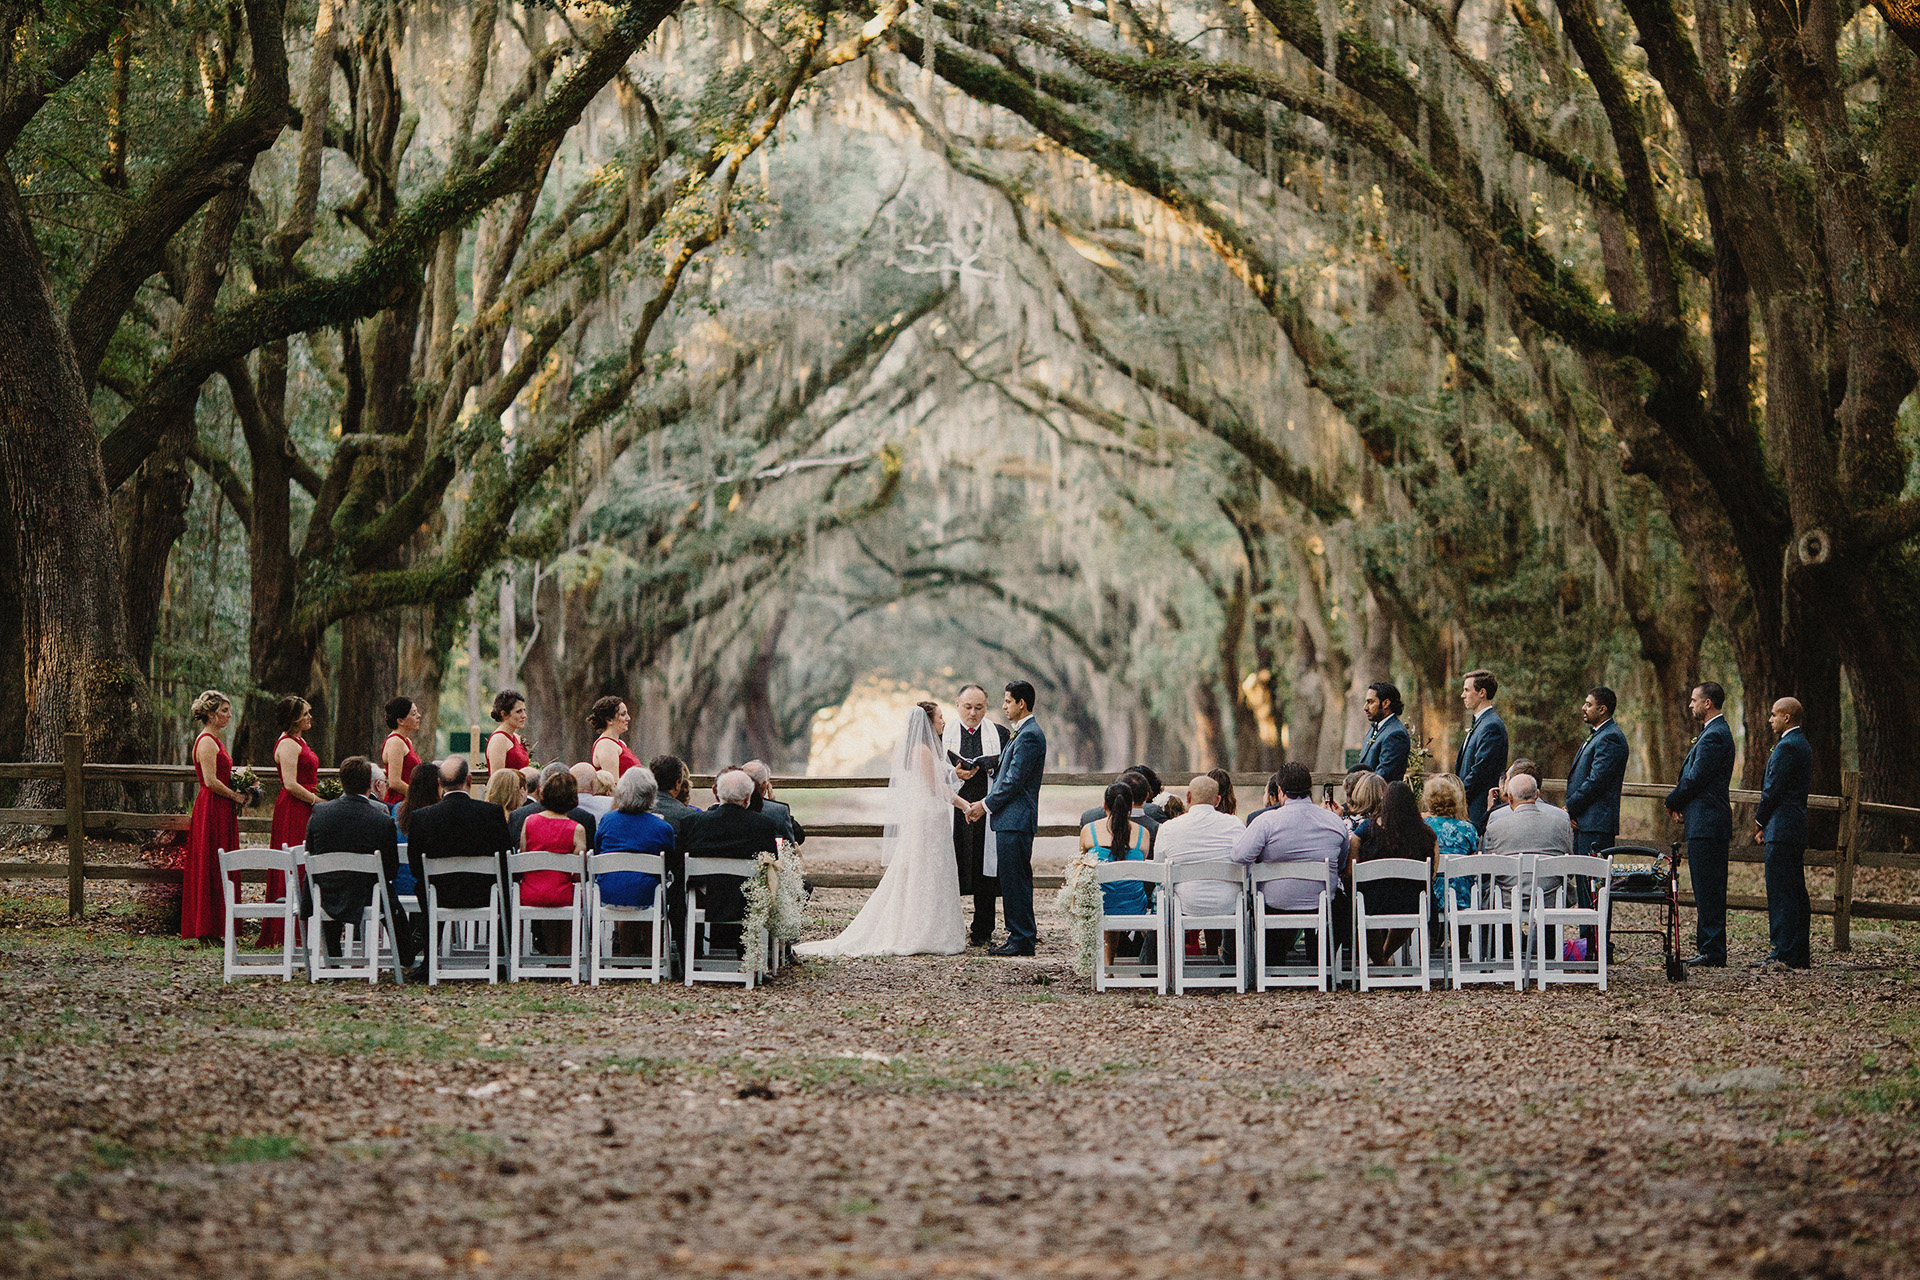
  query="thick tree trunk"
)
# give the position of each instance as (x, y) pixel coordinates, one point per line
(13, 654)
(153, 515)
(369, 677)
(79, 671)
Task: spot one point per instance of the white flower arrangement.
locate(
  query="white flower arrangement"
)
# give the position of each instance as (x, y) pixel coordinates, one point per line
(776, 903)
(1079, 901)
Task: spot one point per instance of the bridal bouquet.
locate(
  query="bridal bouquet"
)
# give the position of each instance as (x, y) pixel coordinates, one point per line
(775, 903)
(329, 789)
(1079, 901)
(247, 783)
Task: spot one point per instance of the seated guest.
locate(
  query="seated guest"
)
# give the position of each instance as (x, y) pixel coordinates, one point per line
(1298, 830)
(353, 824)
(507, 789)
(594, 788)
(1361, 797)
(790, 829)
(676, 790)
(518, 818)
(1202, 834)
(423, 792)
(1444, 802)
(728, 830)
(1141, 787)
(1393, 829)
(1149, 808)
(1528, 824)
(552, 830)
(460, 827)
(1228, 803)
(379, 788)
(1116, 836)
(632, 827)
(1271, 798)
(1171, 805)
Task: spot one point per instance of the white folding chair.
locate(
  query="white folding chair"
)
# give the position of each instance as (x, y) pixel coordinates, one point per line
(1233, 920)
(1267, 976)
(522, 960)
(716, 968)
(1492, 906)
(450, 927)
(363, 942)
(602, 916)
(1108, 973)
(1553, 918)
(263, 964)
(1412, 971)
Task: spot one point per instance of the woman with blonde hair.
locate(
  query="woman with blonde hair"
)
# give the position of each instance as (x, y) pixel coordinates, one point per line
(215, 824)
(507, 789)
(1443, 800)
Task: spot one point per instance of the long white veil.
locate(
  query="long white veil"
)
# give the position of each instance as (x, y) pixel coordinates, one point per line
(919, 783)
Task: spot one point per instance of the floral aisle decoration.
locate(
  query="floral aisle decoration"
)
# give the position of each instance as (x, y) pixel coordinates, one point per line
(1419, 757)
(776, 903)
(1079, 901)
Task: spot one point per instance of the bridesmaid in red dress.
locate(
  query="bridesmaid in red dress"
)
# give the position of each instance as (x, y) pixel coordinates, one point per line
(611, 720)
(215, 825)
(397, 755)
(299, 767)
(504, 748)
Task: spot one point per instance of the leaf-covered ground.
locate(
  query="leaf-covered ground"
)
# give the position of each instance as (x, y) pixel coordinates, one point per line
(959, 1116)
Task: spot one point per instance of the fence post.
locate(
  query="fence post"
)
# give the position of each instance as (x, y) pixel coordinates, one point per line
(1843, 867)
(73, 758)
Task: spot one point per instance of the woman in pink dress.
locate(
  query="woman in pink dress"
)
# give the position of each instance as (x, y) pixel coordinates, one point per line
(216, 821)
(299, 768)
(551, 831)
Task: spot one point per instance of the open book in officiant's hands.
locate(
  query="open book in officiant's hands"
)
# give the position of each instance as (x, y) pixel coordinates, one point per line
(974, 762)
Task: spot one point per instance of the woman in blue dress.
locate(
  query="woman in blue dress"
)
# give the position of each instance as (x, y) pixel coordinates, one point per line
(1116, 837)
(1444, 803)
(632, 827)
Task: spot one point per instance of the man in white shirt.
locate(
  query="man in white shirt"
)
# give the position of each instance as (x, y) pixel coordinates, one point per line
(1201, 834)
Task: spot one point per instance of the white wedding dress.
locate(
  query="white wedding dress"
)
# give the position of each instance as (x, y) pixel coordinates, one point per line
(916, 909)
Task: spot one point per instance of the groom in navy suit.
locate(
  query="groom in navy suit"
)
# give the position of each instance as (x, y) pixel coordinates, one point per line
(1700, 800)
(1014, 802)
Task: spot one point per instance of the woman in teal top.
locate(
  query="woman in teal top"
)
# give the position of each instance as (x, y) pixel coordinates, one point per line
(1114, 831)
(1443, 801)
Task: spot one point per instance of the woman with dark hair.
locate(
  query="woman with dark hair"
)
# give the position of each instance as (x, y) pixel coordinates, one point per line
(215, 824)
(299, 767)
(551, 830)
(1393, 829)
(423, 789)
(1115, 837)
(504, 748)
(611, 720)
(397, 755)
(1228, 803)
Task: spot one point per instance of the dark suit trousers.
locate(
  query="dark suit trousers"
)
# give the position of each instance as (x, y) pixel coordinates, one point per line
(1789, 912)
(345, 895)
(1015, 849)
(1707, 867)
(969, 851)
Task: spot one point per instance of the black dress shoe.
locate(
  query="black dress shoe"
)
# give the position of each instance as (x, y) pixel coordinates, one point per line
(980, 940)
(1011, 948)
(1705, 961)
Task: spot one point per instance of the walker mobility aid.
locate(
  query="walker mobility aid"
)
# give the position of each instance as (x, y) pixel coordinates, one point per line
(1641, 874)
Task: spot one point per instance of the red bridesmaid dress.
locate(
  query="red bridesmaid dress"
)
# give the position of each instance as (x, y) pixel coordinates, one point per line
(413, 758)
(289, 829)
(215, 826)
(517, 756)
(628, 760)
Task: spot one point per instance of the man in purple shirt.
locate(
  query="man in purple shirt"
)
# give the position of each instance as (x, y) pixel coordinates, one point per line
(1298, 830)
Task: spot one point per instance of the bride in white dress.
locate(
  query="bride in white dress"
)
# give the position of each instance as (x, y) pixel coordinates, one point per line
(916, 909)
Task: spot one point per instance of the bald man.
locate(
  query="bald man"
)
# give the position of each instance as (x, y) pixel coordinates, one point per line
(1781, 821)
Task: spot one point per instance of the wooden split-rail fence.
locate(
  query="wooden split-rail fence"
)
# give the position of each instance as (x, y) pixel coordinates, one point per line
(74, 772)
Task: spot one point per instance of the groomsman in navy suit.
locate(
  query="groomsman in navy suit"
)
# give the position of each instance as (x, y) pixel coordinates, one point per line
(1700, 801)
(1593, 785)
(1781, 820)
(1482, 761)
(1387, 742)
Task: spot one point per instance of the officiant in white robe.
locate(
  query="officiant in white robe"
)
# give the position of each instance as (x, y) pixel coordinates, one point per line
(971, 736)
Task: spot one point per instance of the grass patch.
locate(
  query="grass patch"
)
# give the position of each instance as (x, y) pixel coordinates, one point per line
(1893, 1093)
(111, 1154)
(647, 1068)
(248, 1148)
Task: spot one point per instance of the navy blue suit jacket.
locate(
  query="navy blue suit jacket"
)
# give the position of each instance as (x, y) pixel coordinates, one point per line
(1481, 762)
(1783, 796)
(1700, 797)
(1014, 800)
(1386, 750)
(1593, 785)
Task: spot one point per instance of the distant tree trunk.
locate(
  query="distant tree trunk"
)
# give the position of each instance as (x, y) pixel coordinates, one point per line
(759, 726)
(152, 516)
(369, 676)
(79, 670)
(13, 654)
